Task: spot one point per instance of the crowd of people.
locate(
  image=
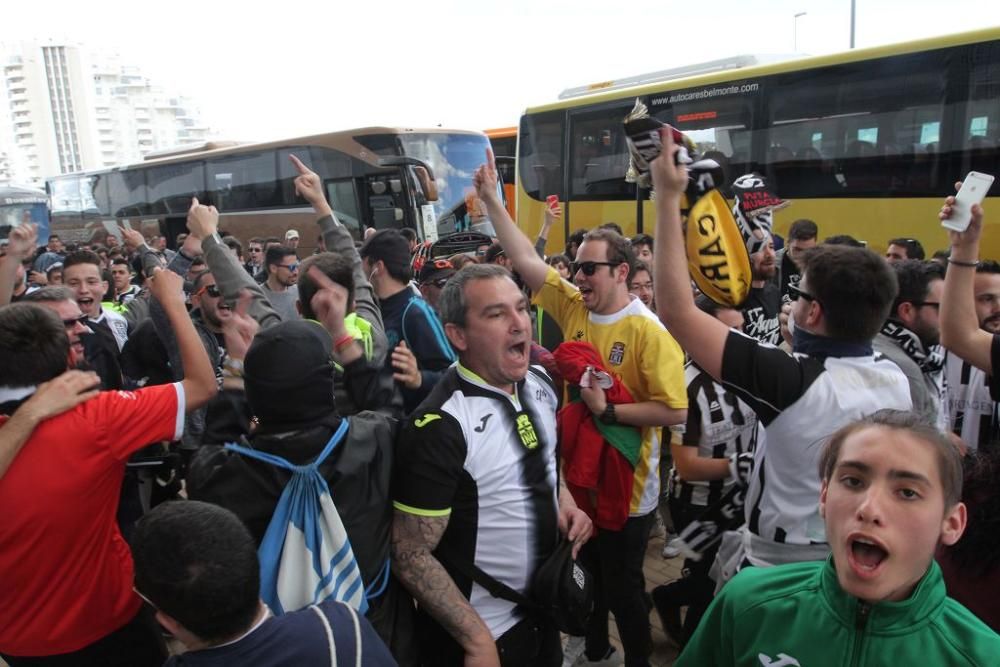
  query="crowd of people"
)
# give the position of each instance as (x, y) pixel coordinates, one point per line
(824, 455)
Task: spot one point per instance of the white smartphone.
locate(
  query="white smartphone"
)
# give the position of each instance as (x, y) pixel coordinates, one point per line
(973, 191)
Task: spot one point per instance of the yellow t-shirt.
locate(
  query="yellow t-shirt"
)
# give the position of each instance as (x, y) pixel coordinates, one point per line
(639, 351)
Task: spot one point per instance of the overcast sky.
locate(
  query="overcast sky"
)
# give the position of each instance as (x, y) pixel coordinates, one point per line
(269, 70)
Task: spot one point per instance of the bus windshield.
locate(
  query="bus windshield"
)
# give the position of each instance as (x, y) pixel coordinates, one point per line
(454, 159)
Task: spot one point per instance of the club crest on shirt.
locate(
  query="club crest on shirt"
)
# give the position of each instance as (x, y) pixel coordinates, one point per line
(617, 354)
(526, 431)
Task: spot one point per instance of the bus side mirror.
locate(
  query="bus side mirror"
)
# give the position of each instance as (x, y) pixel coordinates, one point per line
(426, 183)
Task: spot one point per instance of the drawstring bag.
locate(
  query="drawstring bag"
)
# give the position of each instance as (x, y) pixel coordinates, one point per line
(305, 556)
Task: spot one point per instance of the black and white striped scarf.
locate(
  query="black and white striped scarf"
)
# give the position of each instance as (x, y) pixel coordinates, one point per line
(930, 362)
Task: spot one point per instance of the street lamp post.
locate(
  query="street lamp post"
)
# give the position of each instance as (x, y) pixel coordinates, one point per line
(795, 31)
(852, 23)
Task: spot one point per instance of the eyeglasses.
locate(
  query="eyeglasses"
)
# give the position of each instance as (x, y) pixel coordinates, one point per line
(794, 293)
(82, 321)
(293, 267)
(211, 290)
(936, 305)
(588, 268)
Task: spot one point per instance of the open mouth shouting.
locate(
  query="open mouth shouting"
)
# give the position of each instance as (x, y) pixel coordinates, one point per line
(87, 305)
(518, 352)
(866, 555)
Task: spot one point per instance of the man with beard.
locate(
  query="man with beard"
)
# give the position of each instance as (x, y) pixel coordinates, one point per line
(802, 235)
(911, 333)
(760, 310)
(970, 386)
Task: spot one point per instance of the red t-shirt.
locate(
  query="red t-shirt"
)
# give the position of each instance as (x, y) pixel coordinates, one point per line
(65, 570)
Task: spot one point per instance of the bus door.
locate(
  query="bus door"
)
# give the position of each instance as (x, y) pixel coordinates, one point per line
(598, 159)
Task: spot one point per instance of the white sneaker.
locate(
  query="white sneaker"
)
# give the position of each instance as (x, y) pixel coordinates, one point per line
(671, 551)
(573, 651)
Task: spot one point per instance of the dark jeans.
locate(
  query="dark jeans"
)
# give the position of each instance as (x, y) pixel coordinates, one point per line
(615, 559)
(695, 589)
(136, 644)
(530, 643)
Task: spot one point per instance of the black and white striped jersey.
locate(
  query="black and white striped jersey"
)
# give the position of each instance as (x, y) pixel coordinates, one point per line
(969, 402)
(486, 460)
(718, 424)
(801, 401)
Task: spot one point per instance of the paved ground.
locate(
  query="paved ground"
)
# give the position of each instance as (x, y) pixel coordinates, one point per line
(658, 571)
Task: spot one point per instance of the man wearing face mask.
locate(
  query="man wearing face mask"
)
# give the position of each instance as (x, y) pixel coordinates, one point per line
(834, 376)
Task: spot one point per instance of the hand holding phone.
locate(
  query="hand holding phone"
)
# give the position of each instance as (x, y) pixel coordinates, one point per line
(973, 191)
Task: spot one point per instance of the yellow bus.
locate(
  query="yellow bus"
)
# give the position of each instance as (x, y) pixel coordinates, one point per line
(374, 177)
(865, 143)
(504, 142)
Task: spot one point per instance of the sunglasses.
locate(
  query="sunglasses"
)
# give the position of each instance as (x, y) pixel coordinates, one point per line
(82, 320)
(291, 267)
(211, 290)
(936, 305)
(256, 250)
(588, 268)
(794, 293)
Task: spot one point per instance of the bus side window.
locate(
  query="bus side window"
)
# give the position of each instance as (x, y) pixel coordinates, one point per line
(599, 155)
(981, 126)
(540, 160)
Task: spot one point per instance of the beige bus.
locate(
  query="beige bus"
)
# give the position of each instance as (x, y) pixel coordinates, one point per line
(374, 177)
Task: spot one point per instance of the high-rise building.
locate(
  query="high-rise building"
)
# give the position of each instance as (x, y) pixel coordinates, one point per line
(66, 110)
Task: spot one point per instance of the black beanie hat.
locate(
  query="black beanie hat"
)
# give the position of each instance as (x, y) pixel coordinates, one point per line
(288, 375)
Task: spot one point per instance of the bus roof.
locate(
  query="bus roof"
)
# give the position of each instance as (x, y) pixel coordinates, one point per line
(501, 132)
(601, 94)
(211, 149)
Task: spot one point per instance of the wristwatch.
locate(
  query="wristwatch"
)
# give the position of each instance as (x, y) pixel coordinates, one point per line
(608, 416)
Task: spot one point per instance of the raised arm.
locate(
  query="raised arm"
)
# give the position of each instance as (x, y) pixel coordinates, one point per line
(960, 332)
(516, 245)
(199, 378)
(232, 279)
(552, 214)
(309, 186)
(20, 246)
(700, 334)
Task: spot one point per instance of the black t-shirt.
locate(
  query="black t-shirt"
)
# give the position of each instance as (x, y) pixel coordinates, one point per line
(760, 314)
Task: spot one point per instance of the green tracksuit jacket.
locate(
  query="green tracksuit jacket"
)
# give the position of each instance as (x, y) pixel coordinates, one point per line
(798, 616)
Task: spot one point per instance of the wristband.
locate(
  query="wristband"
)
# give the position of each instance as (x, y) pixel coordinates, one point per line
(343, 342)
(180, 251)
(609, 416)
(957, 262)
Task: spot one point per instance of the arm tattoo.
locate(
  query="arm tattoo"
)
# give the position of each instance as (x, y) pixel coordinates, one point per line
(413, 539)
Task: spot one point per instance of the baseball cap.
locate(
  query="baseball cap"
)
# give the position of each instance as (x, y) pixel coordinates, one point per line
(434, 270)
(292, 234)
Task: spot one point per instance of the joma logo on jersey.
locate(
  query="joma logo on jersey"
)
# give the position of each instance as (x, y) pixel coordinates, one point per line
(617, 355)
